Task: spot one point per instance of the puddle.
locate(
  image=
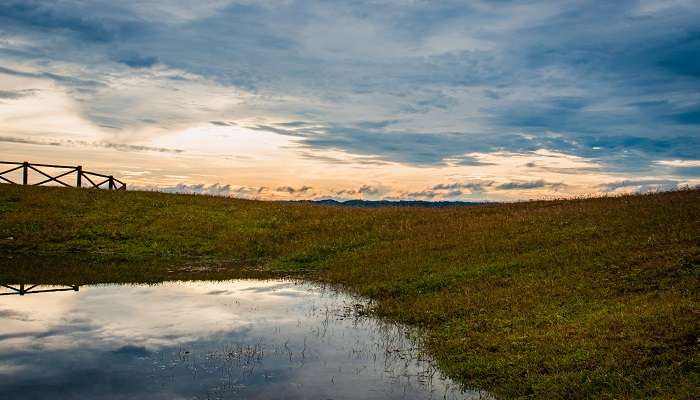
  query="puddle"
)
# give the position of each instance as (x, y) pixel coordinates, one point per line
(205, 340)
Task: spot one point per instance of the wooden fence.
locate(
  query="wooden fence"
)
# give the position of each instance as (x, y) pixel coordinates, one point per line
(81, 178)
(31, 289)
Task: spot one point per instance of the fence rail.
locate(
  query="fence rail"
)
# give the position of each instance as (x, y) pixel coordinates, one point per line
(82, 178)
(31, 289)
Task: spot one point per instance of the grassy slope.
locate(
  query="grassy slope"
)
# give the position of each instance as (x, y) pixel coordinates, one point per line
(584, 298)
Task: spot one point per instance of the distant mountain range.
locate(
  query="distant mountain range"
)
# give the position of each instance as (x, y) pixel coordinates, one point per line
(397, 203)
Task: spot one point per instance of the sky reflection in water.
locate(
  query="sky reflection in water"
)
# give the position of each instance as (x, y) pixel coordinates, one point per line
(199, 340)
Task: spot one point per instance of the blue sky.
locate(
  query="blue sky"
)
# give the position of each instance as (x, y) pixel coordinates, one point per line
(500, 99)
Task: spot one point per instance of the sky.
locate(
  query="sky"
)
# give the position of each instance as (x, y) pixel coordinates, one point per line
(390, 99)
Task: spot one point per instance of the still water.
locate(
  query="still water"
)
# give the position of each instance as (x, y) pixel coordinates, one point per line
(247, 339)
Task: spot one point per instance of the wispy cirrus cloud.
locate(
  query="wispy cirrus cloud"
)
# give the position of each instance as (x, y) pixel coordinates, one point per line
(8, 139)
(82, 143)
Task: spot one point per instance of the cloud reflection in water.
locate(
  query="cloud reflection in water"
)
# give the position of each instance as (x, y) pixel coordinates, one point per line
(243, 338)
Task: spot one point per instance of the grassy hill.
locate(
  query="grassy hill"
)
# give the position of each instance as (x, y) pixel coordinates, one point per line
(577, 299)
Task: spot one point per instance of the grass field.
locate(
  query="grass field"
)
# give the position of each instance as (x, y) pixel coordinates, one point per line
(591, 298)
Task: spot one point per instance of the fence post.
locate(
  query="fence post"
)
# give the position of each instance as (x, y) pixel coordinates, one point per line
(111, 182)
(79, 178)
(25, 173)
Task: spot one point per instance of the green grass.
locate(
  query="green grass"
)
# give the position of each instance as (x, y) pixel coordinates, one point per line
(590, 298)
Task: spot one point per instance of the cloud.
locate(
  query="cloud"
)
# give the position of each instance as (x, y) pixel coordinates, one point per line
(683, 168)
(679, 163)
(106, 145)
(223, 123)
(16, 94)
(439, 192)
(292, 190)
(216, 189)
(364, 191)
(8, 139)
(691, 172)
(354, 159)
(131, 147)
(415, 83)
(369, 190)
(642, 185)
(436, 148)
(473, 187)
(524, 185)
(137, 61)
(396, 146)
(345, 192)
(481, 187)
(70, 81)
(14, 315)
(423, 194)
(376, 124)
